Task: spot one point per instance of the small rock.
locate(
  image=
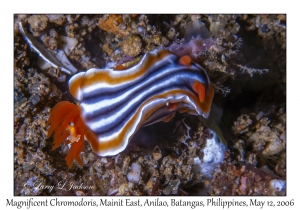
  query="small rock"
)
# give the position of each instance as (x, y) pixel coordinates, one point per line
(134, 174)
(131, 46)
(58, 19)
(37, 24)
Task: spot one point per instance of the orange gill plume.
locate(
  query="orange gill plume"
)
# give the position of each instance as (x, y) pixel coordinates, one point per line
(66, 123)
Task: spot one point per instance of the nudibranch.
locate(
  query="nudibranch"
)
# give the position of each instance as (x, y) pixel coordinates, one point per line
(113, 104)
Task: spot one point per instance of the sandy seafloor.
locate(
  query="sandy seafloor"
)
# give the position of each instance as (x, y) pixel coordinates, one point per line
(245, 59)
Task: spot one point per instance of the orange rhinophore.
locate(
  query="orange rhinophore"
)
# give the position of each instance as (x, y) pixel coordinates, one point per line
(66, 123)
(185, 60)
(200, 89)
